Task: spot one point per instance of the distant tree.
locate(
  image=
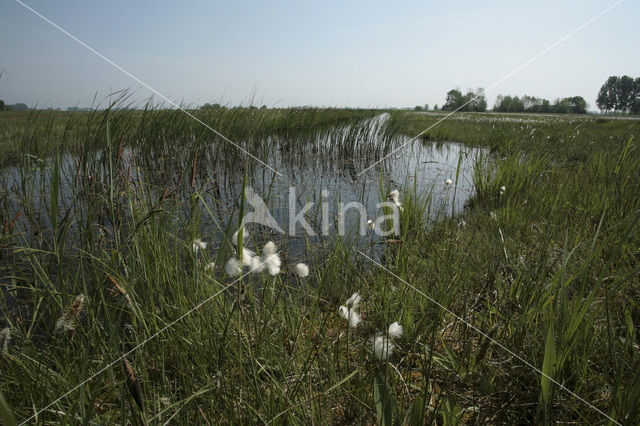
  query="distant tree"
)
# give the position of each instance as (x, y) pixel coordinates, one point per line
(624, 93)
(263, 107)
(418, 108)
(1, 105)
(508, 104)
(210, 106)
(606, 100)
(578, 105)
(426, 107)
(562, 106)
(635, 99)
(455, 100)
(19, 107)
(435, 107)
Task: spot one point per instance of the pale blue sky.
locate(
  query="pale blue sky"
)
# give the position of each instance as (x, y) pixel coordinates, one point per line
(330, 53)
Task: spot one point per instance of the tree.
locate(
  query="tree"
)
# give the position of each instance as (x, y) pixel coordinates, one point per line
(435, 107)
(418, 108)
(1, 105)
(426, 107)
(455, 100)
(619, 94)
(578, 105)
(635, 100)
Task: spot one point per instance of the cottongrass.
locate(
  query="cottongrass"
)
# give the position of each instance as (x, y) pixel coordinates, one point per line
(383, 346)
(68, 321)
(236, 234)
(209, 266)
(233, 267)
(447, 183)
(198, 244)
(350, 315)
(302, 270)
(270, 259)
(395, 197)
(502, 189)
(349, 312)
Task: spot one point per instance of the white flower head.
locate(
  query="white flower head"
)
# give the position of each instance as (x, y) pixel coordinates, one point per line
(302, 270)
(395, 330)
(209, 266)
(233, 267)
(370, 224)
(256, 265)
(247, 257)
(272, 262)
(350, 315)
(236, 234)
(383, 348)
(502, 189)
(447, 183)
(493, 215)
(354, 301)
(198, 244)
(269, 248)
(395, 197)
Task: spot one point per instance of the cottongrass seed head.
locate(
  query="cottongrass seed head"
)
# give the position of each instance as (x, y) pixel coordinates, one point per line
(270, 259)
(67, 322)
(302, 270)
(198, 244)
(395, 330)
(383, 347)
(354, 301)
(236, 234)
(350, 315)
(233, 267)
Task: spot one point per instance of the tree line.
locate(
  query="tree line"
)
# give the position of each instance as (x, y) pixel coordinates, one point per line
(620, 94)
(571, 105)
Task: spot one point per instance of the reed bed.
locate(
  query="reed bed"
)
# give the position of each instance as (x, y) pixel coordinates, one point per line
(100, 277)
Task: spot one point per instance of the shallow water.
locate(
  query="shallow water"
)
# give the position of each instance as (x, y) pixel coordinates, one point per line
(329, 159)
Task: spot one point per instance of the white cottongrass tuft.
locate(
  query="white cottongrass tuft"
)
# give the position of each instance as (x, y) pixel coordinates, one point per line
(269, 248)
(395, 197)
(395, 331)
(447, 183)
(502, 189)
(383, 348)
(354, 300)
(371, 224)
(236, 234)
(198, 244)
(209, 266)
(350, 315)
(493, 215)
(270, 259)
(233, 267)
(302, 270)
(256, 265)
(247, 257)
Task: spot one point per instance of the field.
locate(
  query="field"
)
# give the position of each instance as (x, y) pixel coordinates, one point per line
(518, 304)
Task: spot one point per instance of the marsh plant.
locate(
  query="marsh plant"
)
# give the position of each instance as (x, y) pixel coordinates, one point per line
(150, 272)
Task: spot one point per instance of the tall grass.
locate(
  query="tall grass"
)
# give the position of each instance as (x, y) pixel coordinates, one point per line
(552, 276)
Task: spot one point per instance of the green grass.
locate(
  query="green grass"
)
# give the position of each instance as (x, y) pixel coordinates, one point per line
(553, 278)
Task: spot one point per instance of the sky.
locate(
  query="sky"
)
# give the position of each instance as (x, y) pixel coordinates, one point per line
(329, 53)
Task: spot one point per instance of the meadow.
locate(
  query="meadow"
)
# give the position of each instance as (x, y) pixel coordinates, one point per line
(111, 314)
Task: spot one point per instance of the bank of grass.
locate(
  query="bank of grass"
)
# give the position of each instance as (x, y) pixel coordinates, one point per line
(549, 269)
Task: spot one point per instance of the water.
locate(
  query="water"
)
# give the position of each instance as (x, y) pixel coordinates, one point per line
(328, 160)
